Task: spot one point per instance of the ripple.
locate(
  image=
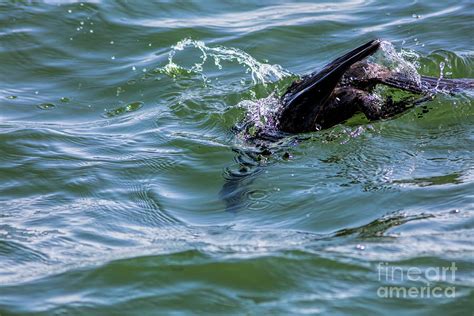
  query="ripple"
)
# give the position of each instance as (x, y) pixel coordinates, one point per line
(46, 106)
(276, 15)
(130, 107)
(454, 178)
(109, 200)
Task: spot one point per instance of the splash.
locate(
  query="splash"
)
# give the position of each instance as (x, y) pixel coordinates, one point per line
(441, 74)
(261, 73)
(404, 62)
(262, 115)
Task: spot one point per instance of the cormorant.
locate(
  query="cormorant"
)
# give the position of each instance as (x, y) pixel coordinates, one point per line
(345, 86)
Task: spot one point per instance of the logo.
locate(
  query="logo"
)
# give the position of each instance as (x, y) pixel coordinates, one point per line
(426, 281)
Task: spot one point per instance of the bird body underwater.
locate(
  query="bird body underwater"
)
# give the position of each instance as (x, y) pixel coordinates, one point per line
(326, 98)
(345, 86)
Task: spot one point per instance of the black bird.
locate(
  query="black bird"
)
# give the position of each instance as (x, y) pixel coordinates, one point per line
(326, 98)
(344, 86)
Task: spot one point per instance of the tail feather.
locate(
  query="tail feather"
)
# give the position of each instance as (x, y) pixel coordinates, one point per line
(448, 85)
(402, 82)
(427, 85)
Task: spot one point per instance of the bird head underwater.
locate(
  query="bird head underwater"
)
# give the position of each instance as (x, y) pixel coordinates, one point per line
(325, 98)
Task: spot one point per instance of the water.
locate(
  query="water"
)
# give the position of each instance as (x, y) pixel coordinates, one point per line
(117, 128)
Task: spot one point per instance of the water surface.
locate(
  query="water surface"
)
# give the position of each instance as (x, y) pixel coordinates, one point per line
(117, 123)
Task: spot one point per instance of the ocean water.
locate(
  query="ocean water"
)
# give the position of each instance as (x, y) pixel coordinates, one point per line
(119, 130)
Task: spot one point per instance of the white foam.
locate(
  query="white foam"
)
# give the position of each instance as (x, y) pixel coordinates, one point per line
(261, 73)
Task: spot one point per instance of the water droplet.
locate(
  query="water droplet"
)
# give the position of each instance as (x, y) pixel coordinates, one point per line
(113, 57)
(64, 99)
(91, 31)
(134, 106)
(46, 106)
(133, 68)
(70, 38)
(360, 247)
(82, 22)
(112, 42)
(36, 92)
(149, 44)
(69, 11)
(119, 91)
(144, 70)
(11, 97)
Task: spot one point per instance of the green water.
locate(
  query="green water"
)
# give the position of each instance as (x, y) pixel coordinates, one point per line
(117, 127)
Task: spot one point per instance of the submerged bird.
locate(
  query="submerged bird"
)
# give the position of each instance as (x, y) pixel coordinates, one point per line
(329, 97)
(345, 86)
